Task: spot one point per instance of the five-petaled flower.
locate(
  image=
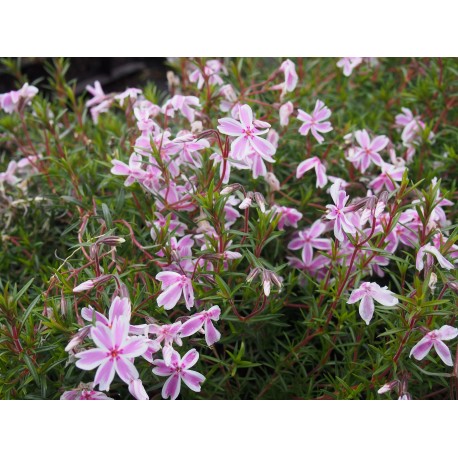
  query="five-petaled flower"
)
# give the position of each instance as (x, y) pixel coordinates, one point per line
(366, 293)
(337, 212)
(309, 239)
(435, 338)
(368, 151)
(114, 353)
(316, 122)
(203, 319)
(320, 170)
(429, 249)
(173, 286)
(177, 371)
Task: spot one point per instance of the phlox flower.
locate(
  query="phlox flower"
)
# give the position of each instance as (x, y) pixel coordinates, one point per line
(413, 127)
(173, 286)
(368, 151)
(181, 103)
(389, 174)
(133, 170)
(316, 122)
(231, 101)
(97, 93)
(289, 216)
(286, 110)
(248, 147)
(320, 170)
(189, 149)
(309, 239)
(366, 293)
(337, 211)
(10, 101)
(289, 69)
(179, 370)
(171, 222)
(211, 70)
(348, 64)
(166, 336)
(131, 93)
(431, 250)
(114, 353)
(84, 392)
(8, 176)
(203, 320)
(435, 338)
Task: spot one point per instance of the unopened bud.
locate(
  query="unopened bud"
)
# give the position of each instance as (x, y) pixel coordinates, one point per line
(230, 189)
(89, 284)
(111, 240)
(196, 127)
(266, 282)
(383, 197)
(78, 338)
(272, 181)
(453, 285)
(253, 274)
(388, 387)
(260, 201)
(432, 281)
(247, 201)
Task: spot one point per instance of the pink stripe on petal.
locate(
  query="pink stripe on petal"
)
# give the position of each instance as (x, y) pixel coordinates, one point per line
(126, 370)
(162, 368)
(105, 375)
(443, 352)
(191, 326)
(229, 126)
(101, 335)
(171, 387)
(169, 298)
(212, 335)
(246, 115)
(447, 332)
(90, 359)
(135, 346)
(366, 309)
(189, 359)
(422, 348)
(119, 332)
(192, 380)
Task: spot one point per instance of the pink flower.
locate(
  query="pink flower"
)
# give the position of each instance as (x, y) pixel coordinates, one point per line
(368, 150)
(316, 122)
(431, 250)
(320, 170)
(309, 239)
(203, 319)
(248, 147)
(286, 110)
(130, 92)
(289, 69)
(13, 100)
(366, 293)
(97, 93)
(389, 174)
(212, 69)
(173, 286)
(289, 216)
(120, 307)
(181, 103)
(337, 212)
(9, 175)
(137, 390)
(84, 392)
(348, 64)
(114, 353)
(435, 338)
(178, 370)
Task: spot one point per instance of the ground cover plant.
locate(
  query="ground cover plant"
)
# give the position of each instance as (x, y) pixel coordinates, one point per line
(265, 229)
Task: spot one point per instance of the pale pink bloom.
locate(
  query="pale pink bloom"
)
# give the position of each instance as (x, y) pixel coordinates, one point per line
(288, 67)
(84, 392)
(316, 122)
(166, 335)
(212, 69)
(120, 307)
(272, 181)
(248, 147)
(320, 170)
(389, 174)
(289, 216)
(368, 151)
(102, 107)
(178, 370)
(435, 338)
(309, 239)
(286, 110)
(133, 171)
(273, 137)
(189, 149)
(130, 92)
(431, 250)
(173, 286)
(97, 93)
(114, 353)
(337, 212)
(203, 320)
(366, 293)
(413, 127)
(89, 284)
(9, 175)
(181, 103)
(348, 64)
(10, 101)
(137, 390)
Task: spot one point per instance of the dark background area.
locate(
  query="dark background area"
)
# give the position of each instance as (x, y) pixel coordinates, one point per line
(114, 73)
